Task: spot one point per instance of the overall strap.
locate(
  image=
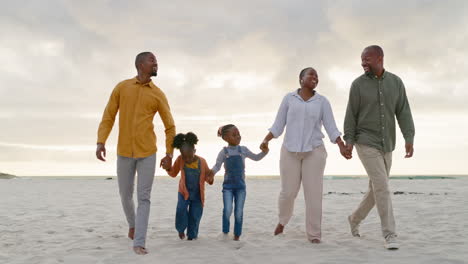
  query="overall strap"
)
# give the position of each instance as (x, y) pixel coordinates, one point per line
(239, 149)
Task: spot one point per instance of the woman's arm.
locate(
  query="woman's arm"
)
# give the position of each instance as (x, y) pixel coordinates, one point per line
(330, 126)
(278, 126)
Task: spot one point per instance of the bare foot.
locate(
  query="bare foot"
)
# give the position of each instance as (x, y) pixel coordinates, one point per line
(182, 235)
(140, 250)
(236, 238)
(315, 241)
(279, 229)
(131, 233)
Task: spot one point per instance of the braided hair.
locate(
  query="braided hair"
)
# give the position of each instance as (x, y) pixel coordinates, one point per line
(181, 140)
(222, 131)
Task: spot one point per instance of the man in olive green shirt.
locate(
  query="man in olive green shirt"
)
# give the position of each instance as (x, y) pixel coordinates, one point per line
(375, 99)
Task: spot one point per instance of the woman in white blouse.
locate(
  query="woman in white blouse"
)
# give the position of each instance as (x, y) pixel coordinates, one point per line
(303, 155)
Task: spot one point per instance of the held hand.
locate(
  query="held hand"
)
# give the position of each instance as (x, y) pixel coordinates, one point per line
(210, 177)
(409, 150)
(344, 151)
(166, 162)
(264, 146)
(349, 150)
(166, 166)
(101, 152)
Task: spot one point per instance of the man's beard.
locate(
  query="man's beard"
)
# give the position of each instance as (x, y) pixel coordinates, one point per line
(154, 73)
(370, 72)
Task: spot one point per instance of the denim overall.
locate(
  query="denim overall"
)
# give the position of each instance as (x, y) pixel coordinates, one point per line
(234, 165)
(234, 190)
(189, 212)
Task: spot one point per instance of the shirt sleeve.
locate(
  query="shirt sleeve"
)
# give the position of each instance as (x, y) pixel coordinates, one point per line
(166, 117)
(329, 121)
(281, 118)
(404, 117)
(219, 161)
(351, 117)
(249, 154)
(108, 117)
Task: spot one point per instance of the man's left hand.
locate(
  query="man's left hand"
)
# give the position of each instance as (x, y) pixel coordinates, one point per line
(409, 150)
(166, 162)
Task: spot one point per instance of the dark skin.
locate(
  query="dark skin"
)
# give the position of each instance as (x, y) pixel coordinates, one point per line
(309, 82)
(372, 63)
(233, 138)
(146, 68)
(188, 156)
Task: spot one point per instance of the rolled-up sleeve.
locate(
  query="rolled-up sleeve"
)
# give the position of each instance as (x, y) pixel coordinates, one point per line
(281, 118)
(329, 121)
(352, 111)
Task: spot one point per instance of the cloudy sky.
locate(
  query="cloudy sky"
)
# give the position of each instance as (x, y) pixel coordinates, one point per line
(223, 62)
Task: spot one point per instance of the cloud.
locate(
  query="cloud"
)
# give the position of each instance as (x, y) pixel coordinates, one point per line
(220, 61)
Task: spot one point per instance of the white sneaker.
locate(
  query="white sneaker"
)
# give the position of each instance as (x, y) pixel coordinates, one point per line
(391, 242)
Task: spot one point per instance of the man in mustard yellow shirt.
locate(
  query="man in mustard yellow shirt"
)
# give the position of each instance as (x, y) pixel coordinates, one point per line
(137, 100)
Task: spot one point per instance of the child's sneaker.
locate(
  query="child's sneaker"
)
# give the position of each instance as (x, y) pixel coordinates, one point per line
(391, 242)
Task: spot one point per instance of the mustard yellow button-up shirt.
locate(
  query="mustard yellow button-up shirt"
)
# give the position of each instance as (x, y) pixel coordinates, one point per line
(137, 103)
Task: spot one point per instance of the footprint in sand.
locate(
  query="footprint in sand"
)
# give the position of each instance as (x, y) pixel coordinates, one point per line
(89, 230)
(50, 232)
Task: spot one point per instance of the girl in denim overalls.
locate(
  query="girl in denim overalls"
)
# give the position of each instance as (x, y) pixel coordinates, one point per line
(234, 189)
(191, 196)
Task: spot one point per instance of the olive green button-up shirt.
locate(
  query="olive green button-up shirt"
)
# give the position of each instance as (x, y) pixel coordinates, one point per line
(372, 107)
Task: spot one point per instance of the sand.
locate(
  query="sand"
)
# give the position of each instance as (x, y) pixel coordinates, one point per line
(81, 221)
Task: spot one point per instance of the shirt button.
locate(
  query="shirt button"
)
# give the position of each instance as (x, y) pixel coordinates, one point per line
(381, 104)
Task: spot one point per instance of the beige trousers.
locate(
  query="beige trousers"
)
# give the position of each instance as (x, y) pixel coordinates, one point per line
(377, 165)
(308, 168)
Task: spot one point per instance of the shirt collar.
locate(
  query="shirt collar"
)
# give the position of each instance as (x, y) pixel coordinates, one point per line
(374, 77)
(297, 95)
(149, 84)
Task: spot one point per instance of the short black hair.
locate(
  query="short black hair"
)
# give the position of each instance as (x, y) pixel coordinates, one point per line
(189, 139)
(303, 72)
(222, 131)
(377, 49)
(140, 57)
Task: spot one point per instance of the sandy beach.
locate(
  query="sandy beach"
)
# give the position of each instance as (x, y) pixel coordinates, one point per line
(81, 221)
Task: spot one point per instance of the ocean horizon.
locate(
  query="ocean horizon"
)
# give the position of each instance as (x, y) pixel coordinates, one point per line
(260, 177)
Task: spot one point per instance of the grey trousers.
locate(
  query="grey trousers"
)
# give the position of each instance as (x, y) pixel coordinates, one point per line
(377, 165)
(126, 169)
